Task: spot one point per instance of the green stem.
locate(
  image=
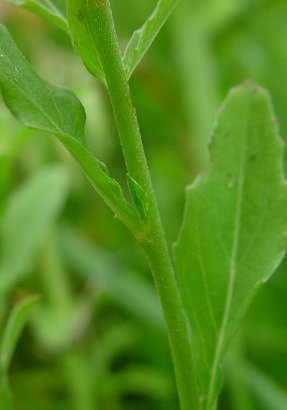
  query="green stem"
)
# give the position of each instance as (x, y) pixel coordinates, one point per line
(155, 247)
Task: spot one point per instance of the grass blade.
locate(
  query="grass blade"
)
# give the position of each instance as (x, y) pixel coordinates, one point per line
(13, 330)
(26, 222)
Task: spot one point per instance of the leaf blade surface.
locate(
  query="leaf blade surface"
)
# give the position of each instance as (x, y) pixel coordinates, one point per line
(51, 10)
(234, 230)
(8, 342)
(13, 330)
(41, 105)
(26, 223)
(81, 22)
(143, 38)
(33, 100)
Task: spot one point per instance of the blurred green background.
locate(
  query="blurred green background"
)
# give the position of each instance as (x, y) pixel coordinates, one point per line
(97, 340)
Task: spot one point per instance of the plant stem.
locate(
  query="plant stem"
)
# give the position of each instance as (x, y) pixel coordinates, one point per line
(155, 247)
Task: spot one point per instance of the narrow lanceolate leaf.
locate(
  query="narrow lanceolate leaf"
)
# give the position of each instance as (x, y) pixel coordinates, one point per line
(8, 342)
(142, 38)
(26, 222)
(82, 22)
(40, 105)
(234, 232)
(13, 330)
(5, 393)
(51, 10)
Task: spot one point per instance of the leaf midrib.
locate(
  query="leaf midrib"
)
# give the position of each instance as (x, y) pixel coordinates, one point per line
(232, 276)
(31, 100)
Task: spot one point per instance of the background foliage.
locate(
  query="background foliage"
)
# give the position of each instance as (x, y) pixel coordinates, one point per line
(96, 340)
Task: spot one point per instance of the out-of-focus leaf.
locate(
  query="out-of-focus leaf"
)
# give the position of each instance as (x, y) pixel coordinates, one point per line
(122, 286)
(7, 127)
(57, 328)
(51, 10)
(141, 380)
(12, 137)
(13, 330)
(267, 393)
(79, 373)
(238, 392)
(5, 393)
(31, 211)
(43, 106)
(216, 13)
(5, 179)
(251, 383)
(234, 232)
(142, 38)
(60, 320)
(115, 341)
(81, 22)
(8, 343)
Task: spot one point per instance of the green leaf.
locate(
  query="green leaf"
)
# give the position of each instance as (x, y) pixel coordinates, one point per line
(81, 21)
(269, 395)
(142, 38)
(13, 330)
(216, 14)
(234, 231)
(5, 393)
(138, 379)
(9, 339)
(31, 211)
(12, 138)
(51, 10)
(43, 106)
(33, 100)
(56, 329)
(126, 288)
(139, 197)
